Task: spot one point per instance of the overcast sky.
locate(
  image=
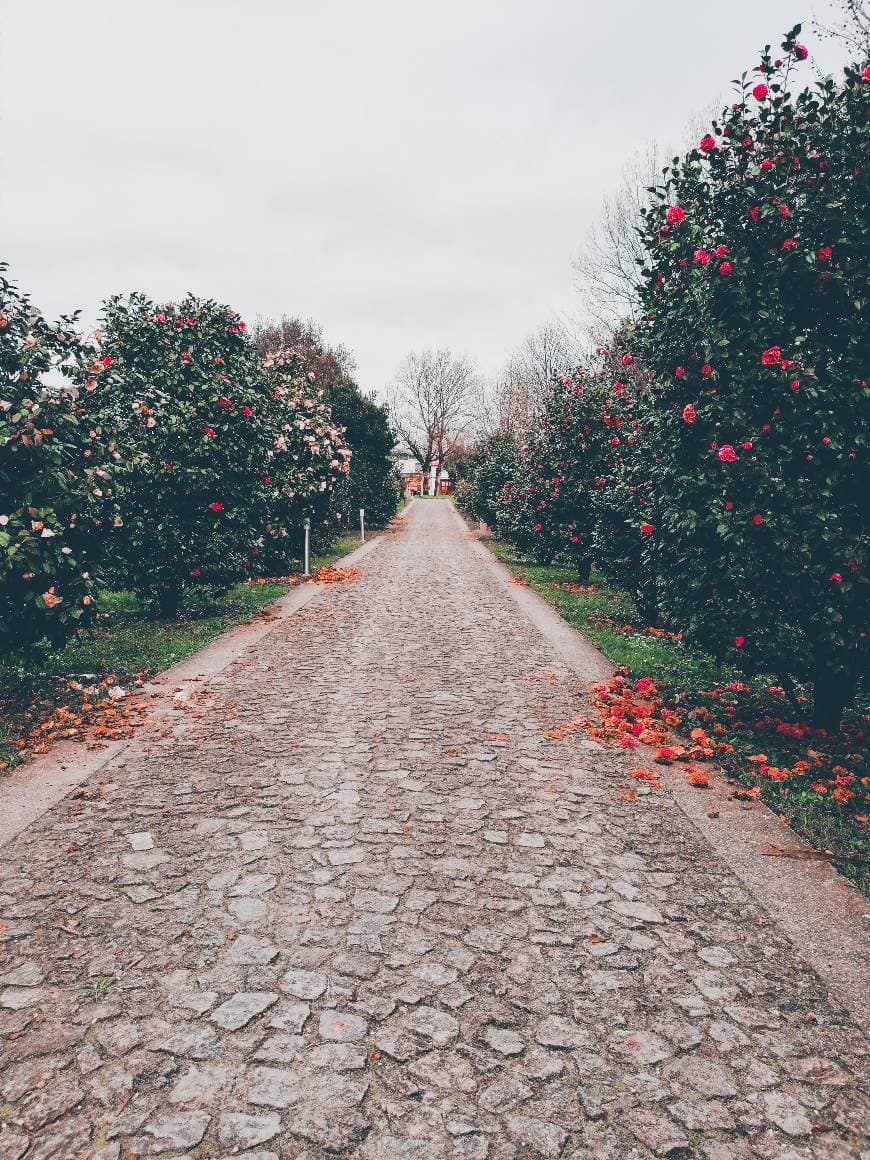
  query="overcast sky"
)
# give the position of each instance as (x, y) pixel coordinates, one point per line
(409, 172)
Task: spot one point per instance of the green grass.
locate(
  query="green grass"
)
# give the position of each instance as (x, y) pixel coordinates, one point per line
(127, 641)
(685, 675)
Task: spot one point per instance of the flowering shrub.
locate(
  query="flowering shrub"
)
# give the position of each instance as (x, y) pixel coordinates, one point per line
(752, 295)
(221, 453)
(55, 476)
(488, 468)
(547, 507)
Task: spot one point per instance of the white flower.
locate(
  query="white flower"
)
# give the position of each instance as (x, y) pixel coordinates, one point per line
(4, 520)
(46, 534)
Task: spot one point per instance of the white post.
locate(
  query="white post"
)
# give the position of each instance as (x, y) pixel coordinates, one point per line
(362, 525)
(307, 525)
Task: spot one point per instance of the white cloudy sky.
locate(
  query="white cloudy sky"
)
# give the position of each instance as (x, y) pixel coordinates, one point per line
(409, 172)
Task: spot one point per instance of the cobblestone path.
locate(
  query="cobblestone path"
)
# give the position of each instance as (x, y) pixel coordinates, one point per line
(357, 904)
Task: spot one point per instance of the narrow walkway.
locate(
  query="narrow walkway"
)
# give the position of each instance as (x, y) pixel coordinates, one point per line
(357, 904)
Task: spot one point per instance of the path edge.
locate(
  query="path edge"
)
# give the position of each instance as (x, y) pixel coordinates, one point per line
(824, 916)
(33, 788)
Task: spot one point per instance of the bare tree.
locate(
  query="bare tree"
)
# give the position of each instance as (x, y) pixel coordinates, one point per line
(433, 404)
(523, 384)
(852, 28)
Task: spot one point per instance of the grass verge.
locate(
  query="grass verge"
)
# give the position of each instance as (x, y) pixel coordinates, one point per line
(817, 783)
(84, 690)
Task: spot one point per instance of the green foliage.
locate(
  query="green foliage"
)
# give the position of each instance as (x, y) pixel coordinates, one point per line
(753, 327)
(222, 453)
(55, 476)
(372, 482)
(486, 470)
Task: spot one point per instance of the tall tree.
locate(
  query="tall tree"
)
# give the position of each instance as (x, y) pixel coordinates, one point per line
(433, 404)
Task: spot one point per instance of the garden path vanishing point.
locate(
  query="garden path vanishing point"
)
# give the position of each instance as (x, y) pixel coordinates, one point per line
(355, 903)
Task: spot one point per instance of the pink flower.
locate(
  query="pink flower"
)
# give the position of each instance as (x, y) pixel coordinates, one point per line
(707, 143)
(701, 257)
(647, 529)
(679, 372)
(790, 244)
(247, 412)
(739, 641)
(757, 519)
(772, 357)
(614, 441)
(537, 527)
(106, 360)
(728, 505)
(835, 578)
(706, 370)
(674, 215)
(689, 413)
(217, 506)
(727, 453)
(747, 446)
(760, 92)
(866, 72)
(627, 360)
(725, 269)
(185, 356)
(800, 51)
(195, 572)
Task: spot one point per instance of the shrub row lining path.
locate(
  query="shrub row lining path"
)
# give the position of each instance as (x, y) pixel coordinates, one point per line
(355, 902)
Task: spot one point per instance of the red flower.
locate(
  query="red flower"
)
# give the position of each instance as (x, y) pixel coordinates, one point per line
(767, 164)
(720, 251)
(739, 641)
(800, 51)
(647, 528)
(689, 413)
(728, 505)
(209, 432)
(727, 453)
(772, 357)
(247, 412)
(757, 519)
(835, 578)
(614, 441)
(725, 269)
(755, 213)
(701, 257)
(679, 372)
(790, 244)
(784, 211)
(195, 572)
(627, 360)
(707, 143)
(537, 527)
(106, 360)
(866, 73)
(824, 253)
(217, 506)
(747, 446)
(185, 356)
(167, 466)
(674, 215)
(706, 370)
(222, 402)
(760, 92)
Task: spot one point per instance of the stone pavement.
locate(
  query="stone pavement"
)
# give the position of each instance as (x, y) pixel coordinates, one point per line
(355, 903)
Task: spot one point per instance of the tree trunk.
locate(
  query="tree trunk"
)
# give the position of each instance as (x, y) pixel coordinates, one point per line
(833, 691)
(584, 570)
(169, 602)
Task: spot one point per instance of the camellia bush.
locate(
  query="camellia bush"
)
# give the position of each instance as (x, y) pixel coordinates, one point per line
(753, 327)
(547, 507)
(486, 470)
(56, 469)
(222, 454)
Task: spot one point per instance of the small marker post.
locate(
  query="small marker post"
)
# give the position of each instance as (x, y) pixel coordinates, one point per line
(362, 525)
(306, 523)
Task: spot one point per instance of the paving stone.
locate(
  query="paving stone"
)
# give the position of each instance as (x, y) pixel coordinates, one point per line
(244, 1130)
(242, 1008)
(331, 918)
(342, 1027)
(178, 1129)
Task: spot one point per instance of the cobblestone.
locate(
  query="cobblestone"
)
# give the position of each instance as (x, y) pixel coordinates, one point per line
(359, 904)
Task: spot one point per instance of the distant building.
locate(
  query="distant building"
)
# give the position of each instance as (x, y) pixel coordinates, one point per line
(411, 472)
